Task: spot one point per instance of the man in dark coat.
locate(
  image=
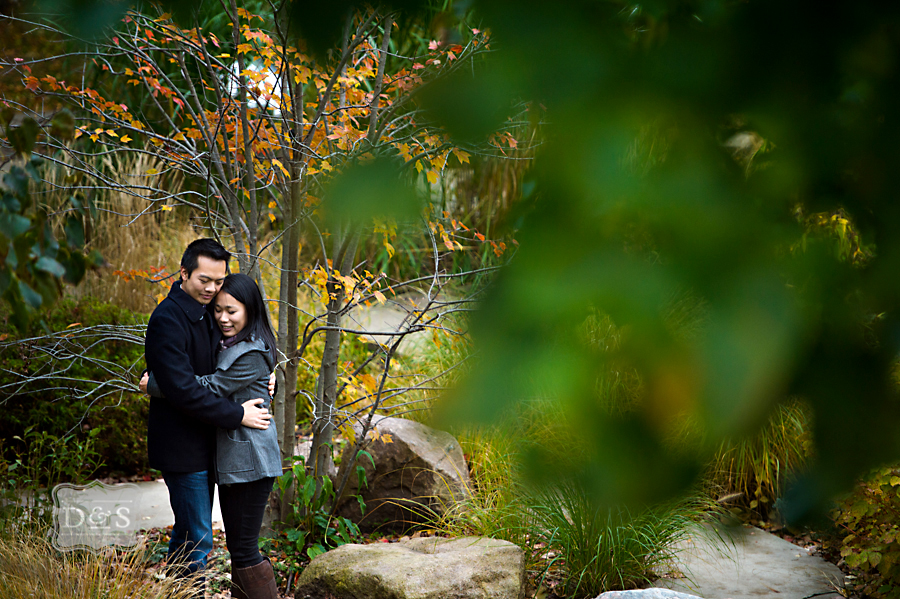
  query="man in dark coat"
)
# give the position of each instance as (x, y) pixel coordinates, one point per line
(180, 342)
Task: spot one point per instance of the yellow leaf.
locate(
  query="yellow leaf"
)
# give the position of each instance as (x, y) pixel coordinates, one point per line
(166, 208)
(418, 166)
(74, 324)
(179, 137)
(379, 296)
(271, 217)
(281, 166)
(152, 171)
(432, 177)
(125, 139)
(224, 56)
(461, 156)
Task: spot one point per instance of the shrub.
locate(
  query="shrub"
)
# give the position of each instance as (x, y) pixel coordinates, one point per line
(42, 388)
(868, 533)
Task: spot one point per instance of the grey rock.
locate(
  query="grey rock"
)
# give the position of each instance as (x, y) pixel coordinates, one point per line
(303, 447)
(646, 594)
(758, 564)
(426, 568)
(419, 472)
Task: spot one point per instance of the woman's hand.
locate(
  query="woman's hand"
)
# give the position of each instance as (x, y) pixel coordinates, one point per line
(144, 380)
(255, 416)
(272, 385)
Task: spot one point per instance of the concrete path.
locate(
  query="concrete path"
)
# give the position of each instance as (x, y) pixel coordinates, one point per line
(394, 316)
(757, 564)
(753, 564)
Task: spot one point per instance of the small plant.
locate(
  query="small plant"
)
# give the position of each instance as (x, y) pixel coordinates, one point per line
(868, 526)
(315, 529)
(759, 466)
(42, 460)
(605, 548)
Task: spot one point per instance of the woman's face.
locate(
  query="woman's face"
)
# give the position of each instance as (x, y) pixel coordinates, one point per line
(230, 314)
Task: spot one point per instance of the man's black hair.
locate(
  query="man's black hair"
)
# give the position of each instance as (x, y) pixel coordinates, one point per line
(209, 248)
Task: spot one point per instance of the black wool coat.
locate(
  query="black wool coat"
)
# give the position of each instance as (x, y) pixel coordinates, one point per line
(180, 343)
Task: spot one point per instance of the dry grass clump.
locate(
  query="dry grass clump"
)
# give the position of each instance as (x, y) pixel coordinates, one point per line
(131, 233)
(30, 568)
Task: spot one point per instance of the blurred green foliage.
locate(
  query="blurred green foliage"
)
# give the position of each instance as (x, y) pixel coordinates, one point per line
(640, 196)
(33, 263)
(61, 399)
(642, 191)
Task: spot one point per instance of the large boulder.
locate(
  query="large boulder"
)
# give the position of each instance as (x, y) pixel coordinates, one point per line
(418, 472)
(426, 568)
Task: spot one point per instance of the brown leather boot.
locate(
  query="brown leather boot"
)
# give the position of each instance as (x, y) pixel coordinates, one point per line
(236, 591)
(255, 582)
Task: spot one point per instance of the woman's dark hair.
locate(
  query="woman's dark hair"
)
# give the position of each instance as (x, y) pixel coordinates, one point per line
(210, 248)
(244, 289)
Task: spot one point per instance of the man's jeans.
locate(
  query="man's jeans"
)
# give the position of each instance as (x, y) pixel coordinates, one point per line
(191, 497)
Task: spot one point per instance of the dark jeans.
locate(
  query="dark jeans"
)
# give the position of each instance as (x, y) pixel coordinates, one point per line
(191, 497)
(243, 505)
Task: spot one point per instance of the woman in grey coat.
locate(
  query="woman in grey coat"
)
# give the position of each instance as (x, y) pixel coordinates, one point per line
(247, 459)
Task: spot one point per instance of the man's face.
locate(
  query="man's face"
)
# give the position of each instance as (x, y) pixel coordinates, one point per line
(206, 280)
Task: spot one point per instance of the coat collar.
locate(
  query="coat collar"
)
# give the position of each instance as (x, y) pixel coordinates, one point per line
(228, 355)
(194, 310)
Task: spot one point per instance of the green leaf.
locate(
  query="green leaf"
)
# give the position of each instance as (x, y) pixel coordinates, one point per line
(74, 232)
(31, 297)
(95, 259)
(309, 490)
(363, 453)
(469, 106)
(74, 263)
(23, 137)
(13, 225)
(315, 551)
(32, 166)
(51, 266)
(17, 183)
(62, 125)
(369, 190)
(10, 203)
(12, 257)
(6, 116)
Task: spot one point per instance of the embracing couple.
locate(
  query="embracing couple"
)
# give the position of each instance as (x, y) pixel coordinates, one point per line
(210, 352)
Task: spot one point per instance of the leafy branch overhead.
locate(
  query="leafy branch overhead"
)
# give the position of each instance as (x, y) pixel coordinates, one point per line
(33, 263)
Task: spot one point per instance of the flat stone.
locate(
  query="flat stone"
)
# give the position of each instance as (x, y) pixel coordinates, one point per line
(757, 564)
(425, 568)
(652, 593)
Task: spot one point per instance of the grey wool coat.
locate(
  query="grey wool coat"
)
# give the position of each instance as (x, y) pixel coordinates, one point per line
(242, 373)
